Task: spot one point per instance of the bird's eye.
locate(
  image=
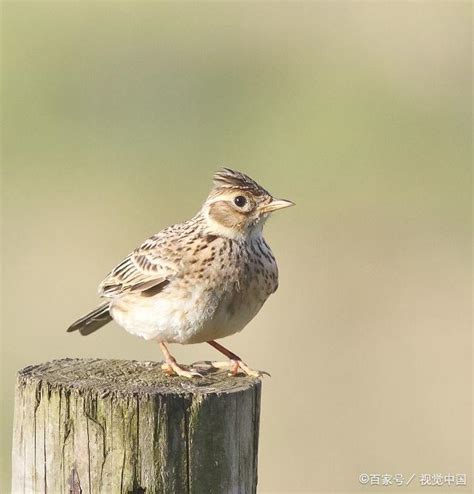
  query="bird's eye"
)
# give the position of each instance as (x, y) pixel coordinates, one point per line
(240, 201)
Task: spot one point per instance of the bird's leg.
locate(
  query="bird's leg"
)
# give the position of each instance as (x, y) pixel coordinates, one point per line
(235, 362)
(171, 367)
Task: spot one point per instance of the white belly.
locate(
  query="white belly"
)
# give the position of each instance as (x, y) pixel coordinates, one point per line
(195, 316)
(232, 314)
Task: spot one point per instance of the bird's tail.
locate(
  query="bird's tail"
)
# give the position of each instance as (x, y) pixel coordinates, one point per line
(93, 321)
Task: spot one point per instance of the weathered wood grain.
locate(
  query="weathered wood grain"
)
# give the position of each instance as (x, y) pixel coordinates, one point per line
(114, 426)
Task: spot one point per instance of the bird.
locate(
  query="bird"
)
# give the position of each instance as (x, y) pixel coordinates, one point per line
(196, 281)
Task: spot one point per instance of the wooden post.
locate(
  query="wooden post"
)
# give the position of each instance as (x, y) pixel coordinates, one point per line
(115, 426)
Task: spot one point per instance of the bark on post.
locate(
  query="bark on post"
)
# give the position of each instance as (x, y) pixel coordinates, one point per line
(114, 426)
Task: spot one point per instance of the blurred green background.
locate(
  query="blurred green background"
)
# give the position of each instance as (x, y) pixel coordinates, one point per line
(116, 115)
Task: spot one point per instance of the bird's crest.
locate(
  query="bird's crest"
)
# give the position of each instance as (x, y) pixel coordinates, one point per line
(231, 179)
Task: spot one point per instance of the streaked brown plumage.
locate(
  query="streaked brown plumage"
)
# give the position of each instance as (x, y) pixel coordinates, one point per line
(199, 280)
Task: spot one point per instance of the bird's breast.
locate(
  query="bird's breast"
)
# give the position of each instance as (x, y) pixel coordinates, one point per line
(218, 296)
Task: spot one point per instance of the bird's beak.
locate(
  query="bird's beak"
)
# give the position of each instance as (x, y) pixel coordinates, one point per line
(276, 204)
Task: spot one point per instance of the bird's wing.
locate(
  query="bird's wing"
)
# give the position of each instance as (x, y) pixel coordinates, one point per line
(147, 268)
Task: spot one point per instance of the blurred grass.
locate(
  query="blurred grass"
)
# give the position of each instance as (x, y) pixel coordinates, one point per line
(116, 114)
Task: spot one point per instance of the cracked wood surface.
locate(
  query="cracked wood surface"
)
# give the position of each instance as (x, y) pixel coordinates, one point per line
(116, 426)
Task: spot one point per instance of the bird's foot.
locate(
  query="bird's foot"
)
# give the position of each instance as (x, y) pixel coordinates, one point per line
(236, 366)
(172, 368)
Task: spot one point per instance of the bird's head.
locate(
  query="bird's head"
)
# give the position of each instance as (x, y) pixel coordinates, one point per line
(238, 206)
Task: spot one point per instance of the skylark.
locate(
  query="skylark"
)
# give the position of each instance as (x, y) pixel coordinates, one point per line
(196, 281)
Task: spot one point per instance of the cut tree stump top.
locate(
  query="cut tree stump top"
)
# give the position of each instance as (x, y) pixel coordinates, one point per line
(129, 377)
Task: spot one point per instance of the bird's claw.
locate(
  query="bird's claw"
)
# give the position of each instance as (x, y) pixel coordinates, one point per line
(235, 366)
(172, 368)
